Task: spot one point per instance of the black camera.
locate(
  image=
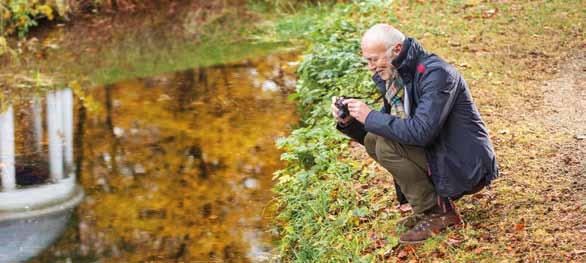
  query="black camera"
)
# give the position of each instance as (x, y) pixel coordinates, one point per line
(344, 112)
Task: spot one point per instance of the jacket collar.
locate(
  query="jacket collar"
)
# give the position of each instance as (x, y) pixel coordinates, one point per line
(406, 61)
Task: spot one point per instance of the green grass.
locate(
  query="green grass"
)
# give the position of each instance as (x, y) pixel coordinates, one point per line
(184, 56)
(332, 200)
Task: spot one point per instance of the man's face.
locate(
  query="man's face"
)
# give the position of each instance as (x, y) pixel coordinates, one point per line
(379, 61)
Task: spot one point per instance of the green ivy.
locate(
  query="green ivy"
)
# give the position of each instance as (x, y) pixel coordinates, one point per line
(18, 16)
(317, 210)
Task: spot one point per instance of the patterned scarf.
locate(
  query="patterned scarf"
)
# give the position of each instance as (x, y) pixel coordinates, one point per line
(394, 96)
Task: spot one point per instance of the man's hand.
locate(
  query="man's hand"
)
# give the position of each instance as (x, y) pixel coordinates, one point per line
(358, 109)
(335, 113)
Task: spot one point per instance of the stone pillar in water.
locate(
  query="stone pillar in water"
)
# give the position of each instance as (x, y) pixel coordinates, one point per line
(7, 161)
(54, 120)
(60, 131)
(67, 105)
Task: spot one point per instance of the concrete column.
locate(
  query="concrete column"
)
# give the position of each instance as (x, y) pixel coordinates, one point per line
(7, 152)
(55, 135)
(67, 109)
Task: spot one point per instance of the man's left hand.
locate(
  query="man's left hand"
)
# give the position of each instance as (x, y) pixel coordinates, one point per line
(358, 109)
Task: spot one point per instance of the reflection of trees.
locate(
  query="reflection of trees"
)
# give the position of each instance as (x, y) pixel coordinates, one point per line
(111, 162)
(176, 164)
(184, 90)
(195, 152)
(79, 135)
(31, 166)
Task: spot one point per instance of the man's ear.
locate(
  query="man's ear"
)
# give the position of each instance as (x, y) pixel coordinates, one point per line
(397, 49)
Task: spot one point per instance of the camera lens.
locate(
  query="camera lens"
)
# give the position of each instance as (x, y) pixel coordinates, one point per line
(344, 112)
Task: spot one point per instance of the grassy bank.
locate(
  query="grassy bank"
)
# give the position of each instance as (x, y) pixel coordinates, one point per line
(335, 205)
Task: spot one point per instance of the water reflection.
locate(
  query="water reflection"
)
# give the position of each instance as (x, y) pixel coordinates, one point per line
(60, 130)
(35, 200)
(7, 149)
(178, 166)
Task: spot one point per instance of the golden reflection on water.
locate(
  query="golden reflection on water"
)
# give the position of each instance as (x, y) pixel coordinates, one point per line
(178, 167)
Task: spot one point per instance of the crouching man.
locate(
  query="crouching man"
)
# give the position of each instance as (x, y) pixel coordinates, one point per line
(428, 134)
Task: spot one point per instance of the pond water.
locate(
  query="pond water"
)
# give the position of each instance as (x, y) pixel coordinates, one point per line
(175, 167)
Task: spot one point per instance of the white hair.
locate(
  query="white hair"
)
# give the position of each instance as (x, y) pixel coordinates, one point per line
(383, 33)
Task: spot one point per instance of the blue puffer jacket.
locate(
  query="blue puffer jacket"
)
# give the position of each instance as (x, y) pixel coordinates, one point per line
(443, 120)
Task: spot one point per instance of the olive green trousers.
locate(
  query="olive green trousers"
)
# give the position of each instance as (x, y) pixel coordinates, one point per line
(408, 166)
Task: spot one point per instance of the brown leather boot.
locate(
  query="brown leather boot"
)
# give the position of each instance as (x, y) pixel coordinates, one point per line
(410, 221)
(431, 224)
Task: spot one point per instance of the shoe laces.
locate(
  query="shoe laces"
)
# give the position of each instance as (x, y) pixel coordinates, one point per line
(424, 224)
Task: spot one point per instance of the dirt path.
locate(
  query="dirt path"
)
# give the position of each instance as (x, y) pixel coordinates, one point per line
(565, 97)
(565, 108)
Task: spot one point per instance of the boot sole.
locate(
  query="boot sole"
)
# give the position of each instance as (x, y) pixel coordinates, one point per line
(450, 228)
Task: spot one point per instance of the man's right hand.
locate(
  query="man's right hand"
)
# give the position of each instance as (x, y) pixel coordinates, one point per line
(335, 112)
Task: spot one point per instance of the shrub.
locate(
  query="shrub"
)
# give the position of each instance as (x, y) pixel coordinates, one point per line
(318, 211)
(18, 16)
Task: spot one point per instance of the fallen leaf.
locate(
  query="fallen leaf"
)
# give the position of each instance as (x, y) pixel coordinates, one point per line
(479, 250)
(489, 13)
(380, 243)
(402, 254)
(405, 252)
(437, 254)
(388, 253)
(454, 240)
(520, 226)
